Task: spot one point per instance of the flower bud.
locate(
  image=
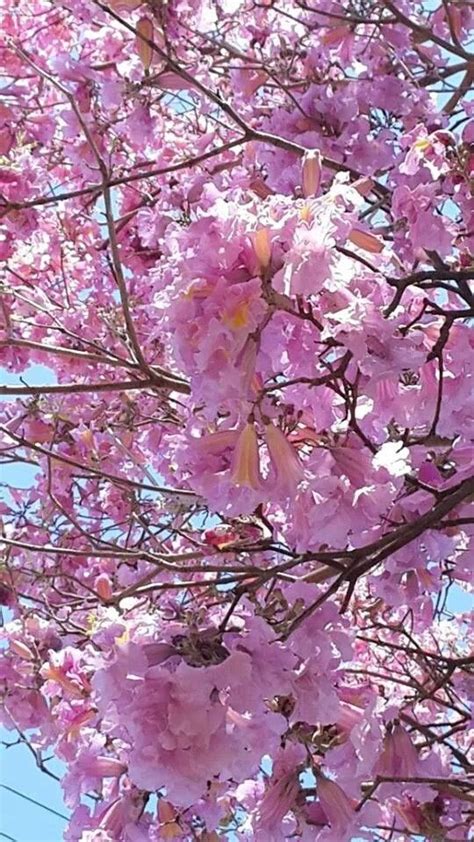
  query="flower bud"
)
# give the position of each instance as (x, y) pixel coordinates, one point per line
(22, 650)
(107, 767)
(125, 5)
(311, 172)
(103, 586)
(144, 50)
(366, 241)
(262, 247)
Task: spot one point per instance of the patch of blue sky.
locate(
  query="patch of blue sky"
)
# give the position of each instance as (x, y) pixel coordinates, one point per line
(34, 375)
(21, 820)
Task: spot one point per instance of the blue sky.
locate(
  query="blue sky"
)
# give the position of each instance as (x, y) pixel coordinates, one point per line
(21, 820)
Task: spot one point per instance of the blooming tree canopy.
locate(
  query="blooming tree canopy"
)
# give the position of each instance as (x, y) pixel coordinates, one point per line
(238, 236)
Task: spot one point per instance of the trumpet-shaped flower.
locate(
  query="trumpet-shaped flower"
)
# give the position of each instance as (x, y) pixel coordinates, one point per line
(399, 756)
(336, 805)
(285, 461)
(352, 462)
(246, 462)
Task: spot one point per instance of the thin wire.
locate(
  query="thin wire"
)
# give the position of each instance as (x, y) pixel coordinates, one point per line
(6, 836)
(32, 800)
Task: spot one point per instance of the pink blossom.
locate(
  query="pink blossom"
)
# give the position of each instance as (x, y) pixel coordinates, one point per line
(286, 464)
(245, 468)
(353, 462)
(236, 416)
(277, 801)
(116, 816)
(337, 807)
(399, 757)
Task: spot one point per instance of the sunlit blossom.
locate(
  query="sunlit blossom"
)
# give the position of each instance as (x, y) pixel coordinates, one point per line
(246, 461)
(285, 461)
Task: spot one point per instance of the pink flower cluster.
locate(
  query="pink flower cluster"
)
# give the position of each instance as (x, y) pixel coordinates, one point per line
(237, 244)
